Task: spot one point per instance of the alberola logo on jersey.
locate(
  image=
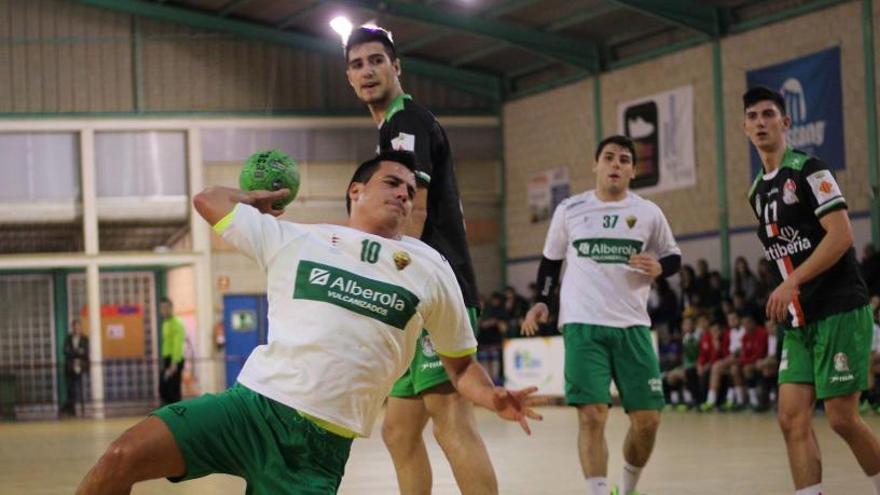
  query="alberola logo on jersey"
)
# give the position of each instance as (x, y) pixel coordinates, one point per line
(382, 301)
(605, 250)
(794, 244)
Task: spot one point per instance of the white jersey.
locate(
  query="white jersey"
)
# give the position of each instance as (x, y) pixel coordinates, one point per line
(346, 309)
(735, 339)
(596, 239)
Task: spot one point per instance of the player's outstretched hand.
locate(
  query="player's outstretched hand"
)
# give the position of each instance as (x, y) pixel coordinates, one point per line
(263, 200)
(539, 313)
(515, 405)
(646, 264)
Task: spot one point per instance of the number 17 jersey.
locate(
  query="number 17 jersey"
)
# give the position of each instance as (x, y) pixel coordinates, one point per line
(789, 202)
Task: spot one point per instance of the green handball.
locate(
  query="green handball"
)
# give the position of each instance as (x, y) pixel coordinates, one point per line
(270, 171)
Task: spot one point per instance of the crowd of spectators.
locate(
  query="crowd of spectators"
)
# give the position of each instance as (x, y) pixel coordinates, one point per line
(717, 350)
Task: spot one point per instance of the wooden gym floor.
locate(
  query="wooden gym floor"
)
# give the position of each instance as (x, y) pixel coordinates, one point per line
(696, 454)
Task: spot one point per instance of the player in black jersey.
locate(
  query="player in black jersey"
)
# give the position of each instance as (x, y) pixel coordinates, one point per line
(424, 391)
(821, 298)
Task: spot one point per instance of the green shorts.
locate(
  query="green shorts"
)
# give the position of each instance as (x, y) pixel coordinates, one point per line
(832, 354)
(425, 370)
(595, 354)
(243, 433)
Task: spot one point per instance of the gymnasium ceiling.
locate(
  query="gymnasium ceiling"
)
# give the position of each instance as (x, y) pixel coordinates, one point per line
(497, 49)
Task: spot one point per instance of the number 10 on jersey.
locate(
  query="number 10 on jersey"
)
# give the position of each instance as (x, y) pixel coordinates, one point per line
(370, 251)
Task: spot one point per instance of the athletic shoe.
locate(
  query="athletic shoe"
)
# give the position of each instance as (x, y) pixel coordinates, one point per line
(732, 407)
(616, 491)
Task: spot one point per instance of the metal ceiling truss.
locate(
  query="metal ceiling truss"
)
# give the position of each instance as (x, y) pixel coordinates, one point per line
(707, 20)
(283, 23)
(479, 83)
(487, 13)
(688, 14)
(583, 55)
(572, 20)
(231, 6)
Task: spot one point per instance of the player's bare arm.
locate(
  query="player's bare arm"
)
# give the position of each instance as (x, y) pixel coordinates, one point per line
(838, 239)
(216, 202)
(537, 314)
(471, 381)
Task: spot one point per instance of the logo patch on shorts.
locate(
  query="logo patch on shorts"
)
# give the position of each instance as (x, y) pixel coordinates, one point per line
(178, 410)
(841, 363)
(428, 347)
(656, 385)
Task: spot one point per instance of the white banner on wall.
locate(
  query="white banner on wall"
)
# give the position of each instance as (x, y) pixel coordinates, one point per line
(546, 189)
(535, 362)
(662, 127)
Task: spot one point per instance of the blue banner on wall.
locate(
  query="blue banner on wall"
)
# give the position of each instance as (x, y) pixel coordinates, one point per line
(812, 91)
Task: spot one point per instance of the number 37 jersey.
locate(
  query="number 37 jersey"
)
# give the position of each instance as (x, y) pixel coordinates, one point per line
(789, 202)
(596, 238)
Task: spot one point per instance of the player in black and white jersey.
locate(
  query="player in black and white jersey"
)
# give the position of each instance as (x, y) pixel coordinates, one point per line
(424, 391)
(821, 299)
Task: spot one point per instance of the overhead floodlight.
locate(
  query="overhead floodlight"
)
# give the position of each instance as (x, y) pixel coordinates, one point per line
(342, 26)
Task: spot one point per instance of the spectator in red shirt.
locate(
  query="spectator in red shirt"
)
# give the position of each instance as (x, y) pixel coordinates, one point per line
(728, 353)
(752, 350)
(710, 350)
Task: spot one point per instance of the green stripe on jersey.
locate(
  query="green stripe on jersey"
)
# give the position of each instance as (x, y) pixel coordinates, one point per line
(794, 160)
(396, 106)
(834, 204)
(755, 185)
(388, 303)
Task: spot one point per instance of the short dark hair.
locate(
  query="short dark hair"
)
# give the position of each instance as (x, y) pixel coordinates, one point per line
(365, 170)
(165, 300)
(763, 93)
(619, 140)
(369, 34)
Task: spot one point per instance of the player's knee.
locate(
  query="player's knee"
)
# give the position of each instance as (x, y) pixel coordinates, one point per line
(646, 424)
(450, 434)
(117, 460)
(794, 423)
(396, 436)
(592, 419)
(844, 424)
